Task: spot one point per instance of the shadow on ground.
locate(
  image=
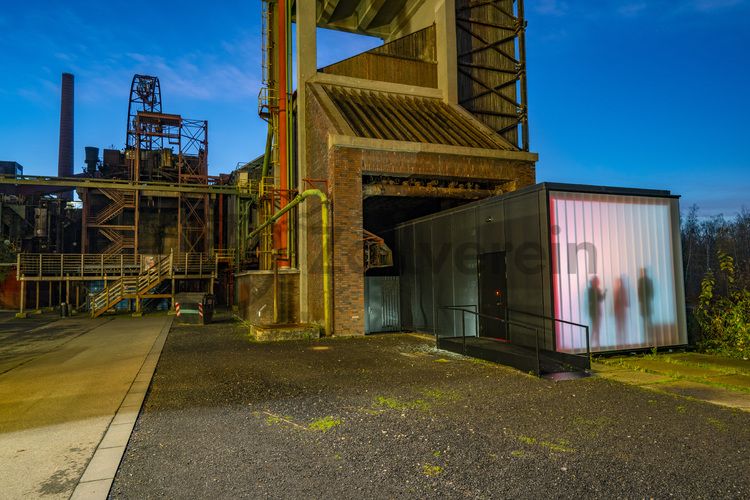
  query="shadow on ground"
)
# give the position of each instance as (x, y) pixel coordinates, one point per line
(390, 416)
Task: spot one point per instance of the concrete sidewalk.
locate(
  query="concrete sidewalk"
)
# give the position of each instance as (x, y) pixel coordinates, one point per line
(56, 405)
(714, 379)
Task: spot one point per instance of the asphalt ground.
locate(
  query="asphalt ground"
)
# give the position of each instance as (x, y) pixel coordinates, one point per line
(389, 416)
(22, 339)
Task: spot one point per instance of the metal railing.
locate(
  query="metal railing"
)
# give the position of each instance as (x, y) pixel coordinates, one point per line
(130, 286)
(463, 309)
(77, 265)
(194, 264)
(478, 315)
(100, 266)
(585, 328)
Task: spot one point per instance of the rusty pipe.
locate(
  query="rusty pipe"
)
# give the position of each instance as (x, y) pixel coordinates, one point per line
(327, 292)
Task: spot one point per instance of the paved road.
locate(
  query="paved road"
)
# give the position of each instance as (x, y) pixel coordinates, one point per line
(60, 386)
(24, 339)
(388, 416)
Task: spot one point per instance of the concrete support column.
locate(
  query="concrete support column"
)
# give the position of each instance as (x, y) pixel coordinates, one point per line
(447, 52)
(307, 67)
(21, 312)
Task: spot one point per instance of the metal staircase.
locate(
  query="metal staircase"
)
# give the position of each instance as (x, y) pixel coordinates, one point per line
(126, 287)
(120, 201)
(118, 241)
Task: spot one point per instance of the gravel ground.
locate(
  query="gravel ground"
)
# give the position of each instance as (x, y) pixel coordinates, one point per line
(389, 416)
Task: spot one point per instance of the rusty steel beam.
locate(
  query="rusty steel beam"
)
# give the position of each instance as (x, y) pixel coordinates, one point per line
(93, 183)
(411, 191)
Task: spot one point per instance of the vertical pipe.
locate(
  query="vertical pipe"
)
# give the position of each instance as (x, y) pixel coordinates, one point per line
(65, 147)
(268, 153)
(137, 221)
(281, 236)
(23, 297)
(221, 221)
(276, 289)
(538, 364)
(84, 222)
(463, 328)
(290, 134)
(325, 238)
(327, 292)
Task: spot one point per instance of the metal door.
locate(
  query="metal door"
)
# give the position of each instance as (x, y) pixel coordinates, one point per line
(493, 290)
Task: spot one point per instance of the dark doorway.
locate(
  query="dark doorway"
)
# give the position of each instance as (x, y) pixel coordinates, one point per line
(493, 291)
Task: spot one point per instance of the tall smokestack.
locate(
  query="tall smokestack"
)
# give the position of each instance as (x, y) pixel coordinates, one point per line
(65, 156)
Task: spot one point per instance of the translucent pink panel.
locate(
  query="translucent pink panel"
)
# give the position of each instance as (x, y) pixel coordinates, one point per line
(613, 269)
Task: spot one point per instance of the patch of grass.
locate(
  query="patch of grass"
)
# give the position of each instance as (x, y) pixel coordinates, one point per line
(518, 453)
(592, 426)
(273, 419)
(718, 424)
(478, 361)
(680, 409)
(324, 424)
(439, 395)
(592, 422)
(562, 446)
(436, 454)
(442, 360)
(395, 404)
(431, 470)
(370, 411)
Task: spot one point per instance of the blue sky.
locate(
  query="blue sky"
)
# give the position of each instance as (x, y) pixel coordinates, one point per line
(651, 93)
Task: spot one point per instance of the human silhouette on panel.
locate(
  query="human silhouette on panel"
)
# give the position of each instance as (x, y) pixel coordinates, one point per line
(645, 300)
(595, 298)
(622, 304)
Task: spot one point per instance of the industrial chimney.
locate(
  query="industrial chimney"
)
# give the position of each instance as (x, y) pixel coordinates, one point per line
(65, 156)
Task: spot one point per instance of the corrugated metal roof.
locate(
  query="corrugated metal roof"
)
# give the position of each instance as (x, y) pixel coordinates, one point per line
(399, 117)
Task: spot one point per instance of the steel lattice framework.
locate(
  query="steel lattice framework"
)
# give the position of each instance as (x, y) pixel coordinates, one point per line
(160, 148)
(492, 65)
(145, 95)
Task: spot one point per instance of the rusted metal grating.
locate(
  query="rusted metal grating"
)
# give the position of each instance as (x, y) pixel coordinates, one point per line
(399, 117)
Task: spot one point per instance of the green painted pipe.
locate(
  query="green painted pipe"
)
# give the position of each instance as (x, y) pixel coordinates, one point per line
(267, 156)
(327, 292)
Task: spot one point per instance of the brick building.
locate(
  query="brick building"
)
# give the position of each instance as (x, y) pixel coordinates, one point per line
(433, 118)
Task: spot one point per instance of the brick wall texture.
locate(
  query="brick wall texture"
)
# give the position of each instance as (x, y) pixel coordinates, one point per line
(255, 293)
(343, 168)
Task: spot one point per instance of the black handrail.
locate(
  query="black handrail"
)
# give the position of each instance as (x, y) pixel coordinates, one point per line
(463, 311)
(549, 318)
(512, 322)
